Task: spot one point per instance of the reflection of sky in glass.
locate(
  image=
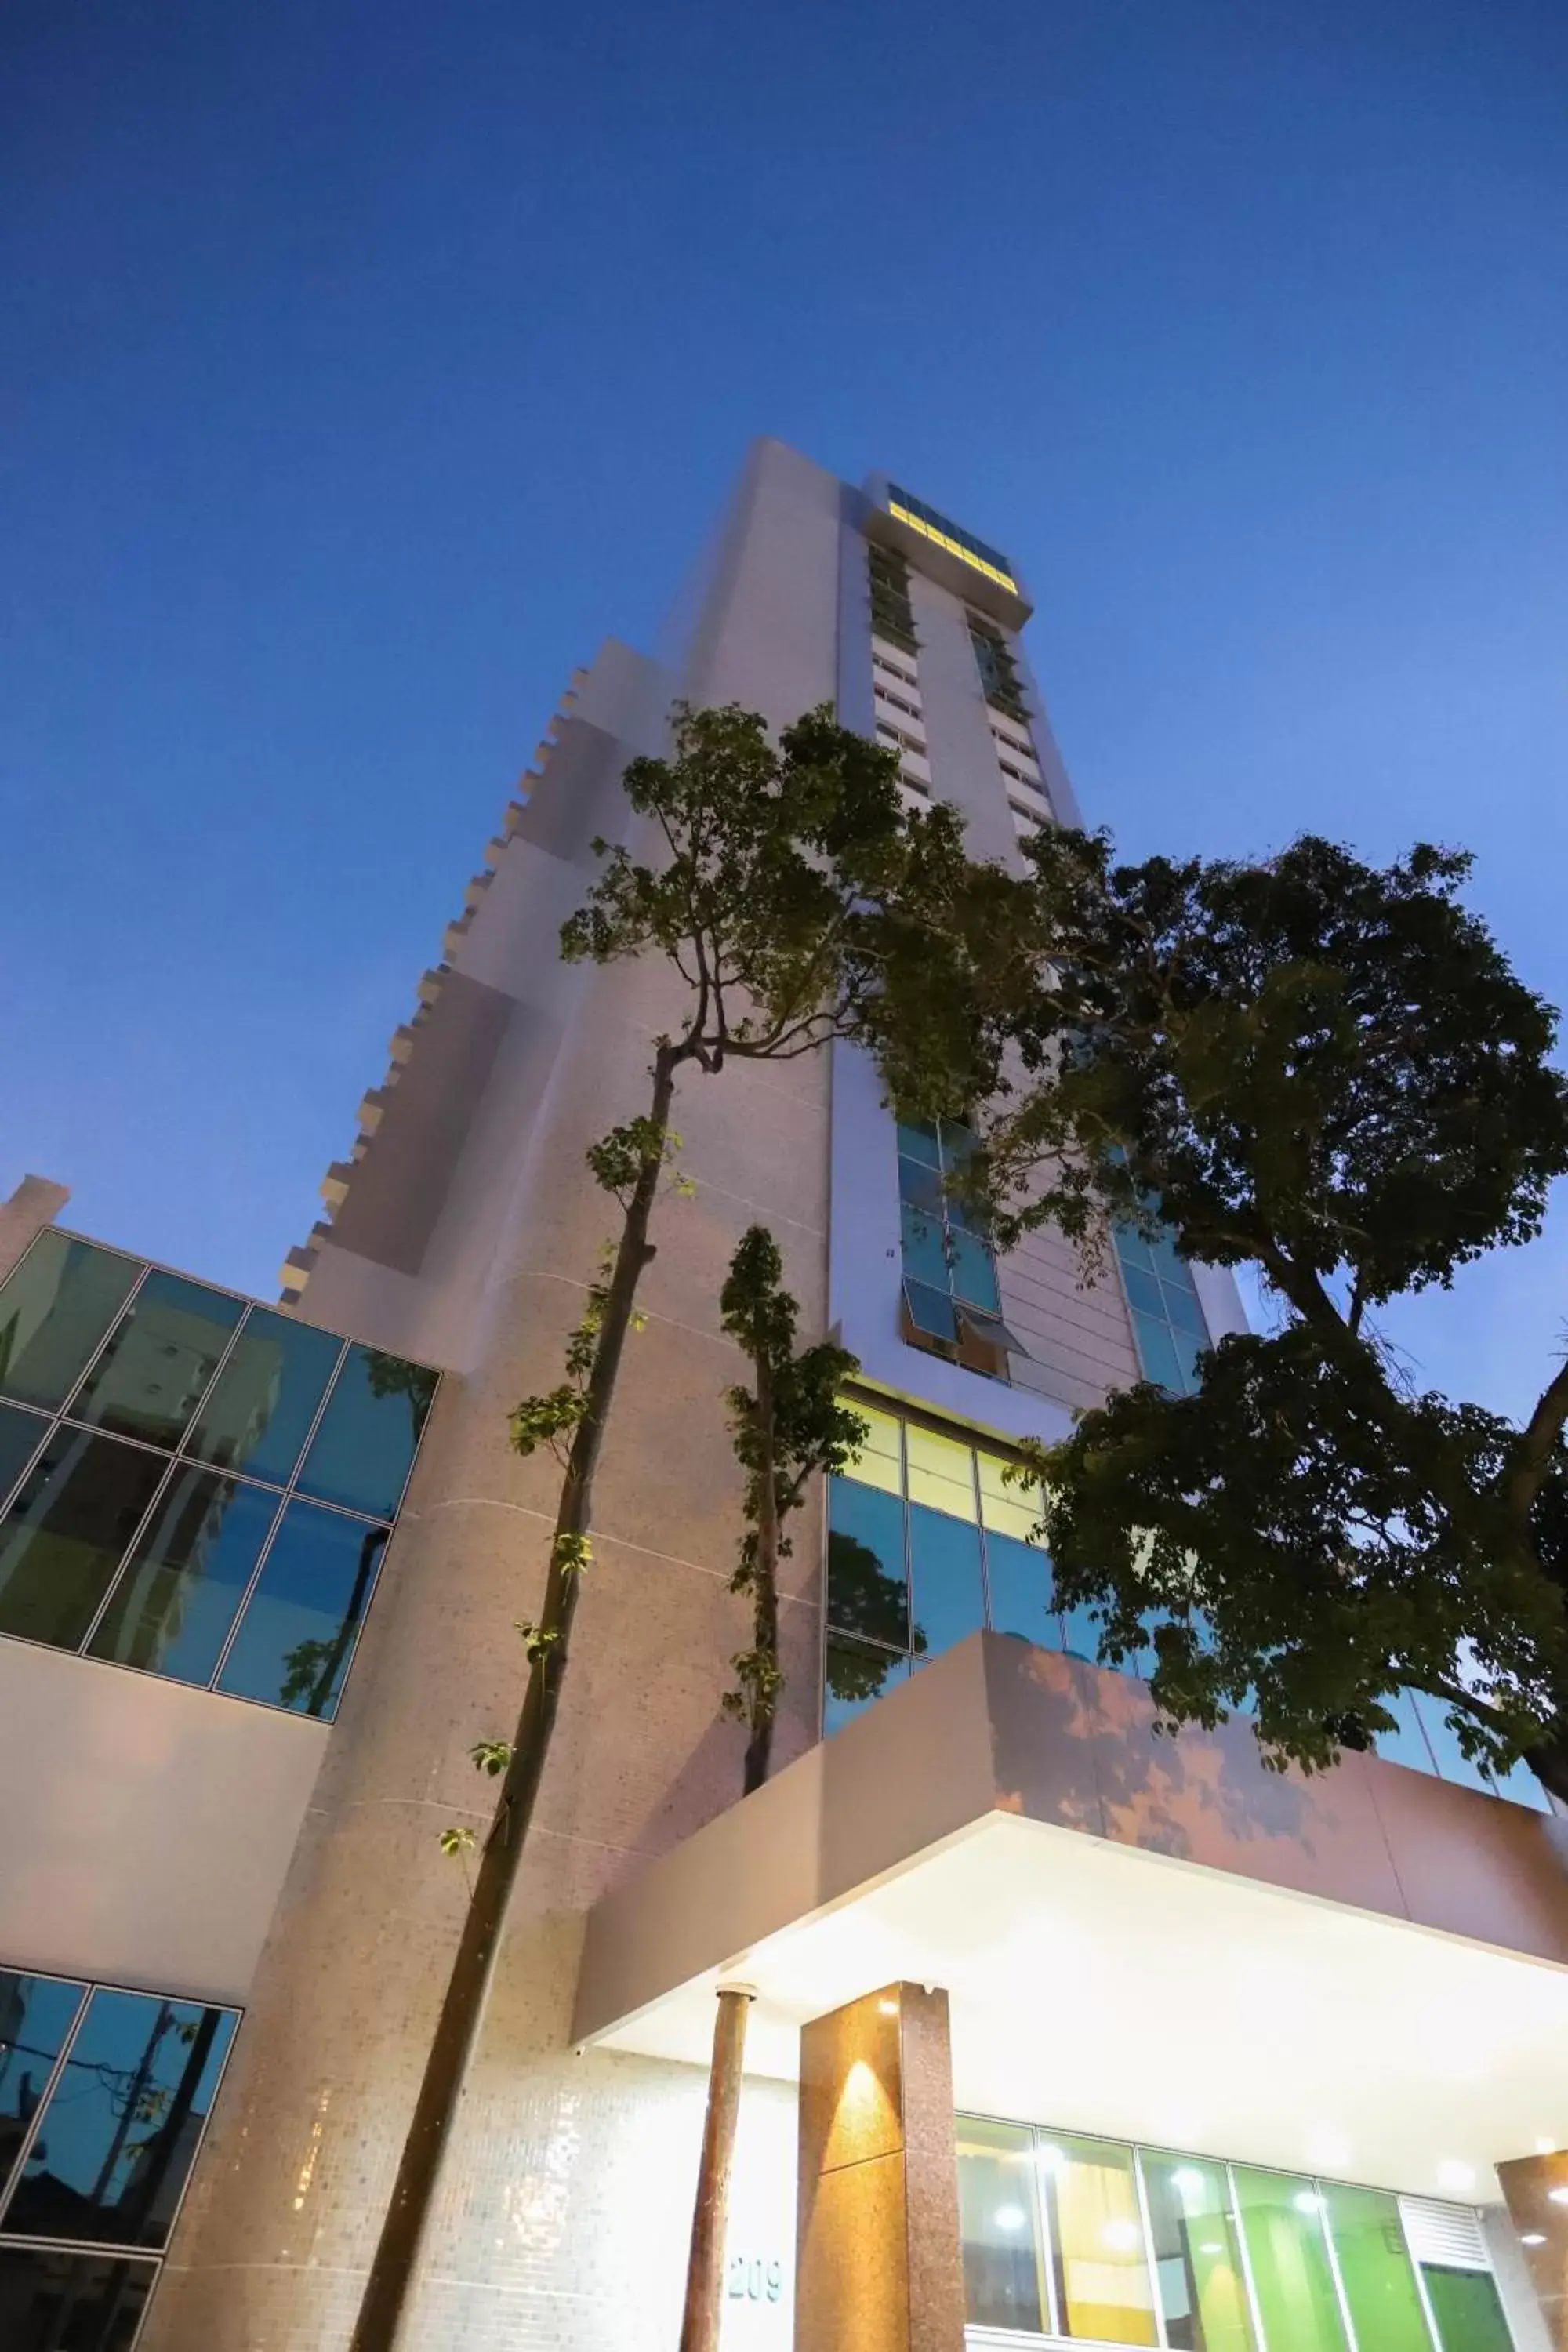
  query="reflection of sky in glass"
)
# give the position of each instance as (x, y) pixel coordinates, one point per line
(361, 1454)
(35, 2014)
(293, 1646)
(118, 2132)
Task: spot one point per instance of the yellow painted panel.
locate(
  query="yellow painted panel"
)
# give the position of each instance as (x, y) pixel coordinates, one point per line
(880, 1462)
(1011, 1510)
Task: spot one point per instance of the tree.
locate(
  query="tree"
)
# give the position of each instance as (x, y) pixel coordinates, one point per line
(799, 904)
(1330, 1073)
(786, 1428)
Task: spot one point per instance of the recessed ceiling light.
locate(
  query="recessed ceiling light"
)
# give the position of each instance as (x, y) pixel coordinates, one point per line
(1533, 2237)
(1009, 2217)
(1558, 2196)
(1211, 2246)
(1544, 2147)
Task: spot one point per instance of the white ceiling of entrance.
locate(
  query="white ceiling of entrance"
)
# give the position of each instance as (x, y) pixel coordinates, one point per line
(1108, 1991)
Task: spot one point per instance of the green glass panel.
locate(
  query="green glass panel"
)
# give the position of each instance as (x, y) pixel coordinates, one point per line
(1197, 2256)
(156, 1368)
(918, 1141)
(973, 1272)
(53, 2301)
(1104, 2290)
(944, 1562)
(184, 1583)
(868, 1590)
(265, 1399)
(1021, 1601)
(999, 2214)
(1468, 2309)
(21, 1434)
(924, 1257)
(1376, 2270)
(68, 1532)
(1283, 2218)
(298, 1632)
(364, 1451)
(54, 1310)
(36, 2015)
(120, 2131)
(856, 1677)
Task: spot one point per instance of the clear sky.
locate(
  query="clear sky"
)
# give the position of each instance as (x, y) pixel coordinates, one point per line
(362, 366)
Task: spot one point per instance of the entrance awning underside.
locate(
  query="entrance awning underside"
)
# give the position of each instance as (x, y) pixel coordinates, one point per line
(1362, 1974)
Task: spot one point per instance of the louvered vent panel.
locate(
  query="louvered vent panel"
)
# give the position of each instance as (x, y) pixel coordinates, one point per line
(1451, 2234)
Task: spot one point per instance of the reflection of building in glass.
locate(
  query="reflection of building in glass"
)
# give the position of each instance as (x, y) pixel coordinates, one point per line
(1155, 2047)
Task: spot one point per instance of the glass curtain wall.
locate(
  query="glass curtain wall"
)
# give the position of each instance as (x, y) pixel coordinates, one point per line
(190, 1483)
(1093, 2240)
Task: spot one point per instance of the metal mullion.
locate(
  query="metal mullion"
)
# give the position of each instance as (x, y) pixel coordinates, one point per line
(217, 1372)
(1334, 2273)
(25, 2147)
(1232, 2193)
(142, 1524)
(266, 1552)
(1048, 2242)
(984, 1535)
(1149, 2265)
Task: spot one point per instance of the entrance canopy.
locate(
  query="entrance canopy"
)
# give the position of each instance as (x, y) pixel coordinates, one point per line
(1365, 1974)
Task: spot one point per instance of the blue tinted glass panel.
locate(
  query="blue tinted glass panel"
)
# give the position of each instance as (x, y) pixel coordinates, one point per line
(931, 1310)
(1406, 1746)
(54, 1310)
(260, 1413)
(944, 1562)
(957, 1145)
(185, 1581)
(867, 1589)
(1143, 1290)
(298, 1632)
(69, 1527)
(1157, 1353)
(36, 2015)
(1188, 1350)
(1452, 1763)
(925, 1256)
(1132, 1249)
(121, 2128)
(919, 1142)
(21, 1434)
(51, 2302)
(1021, 1601)
(857, 1678)
(1080, 1635)
(1520, 1787)
(1182, 1306)
(156, 1368)
(1167, 1259)
(921, 1187)
(974, 1273)
(364, 1450)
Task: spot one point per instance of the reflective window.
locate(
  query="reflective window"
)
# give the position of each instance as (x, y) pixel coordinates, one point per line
(364, 1451)
(297, 1635)
(1167, 1319)
(111, 1543)
(37, 2013)
(261, 1409)
(1198, 2255)
(182, 1587)
(1377, 2274)
(67, 1532)
(54, 1308)
(1282, 2217)
(1103, 2287)
(118, 2133)
(950, 1274)
(857, 1675)
(944, 1568)
(1004, 2272)
(1467, 2309)
(156, 1368)
(867, 1589)
(52, 2301)
(21, 1434)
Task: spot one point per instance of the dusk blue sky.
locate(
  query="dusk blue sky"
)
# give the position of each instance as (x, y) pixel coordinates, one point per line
(364, 366)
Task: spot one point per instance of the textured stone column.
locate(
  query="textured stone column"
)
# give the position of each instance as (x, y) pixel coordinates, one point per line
(878, 2259)
(1530, 2186)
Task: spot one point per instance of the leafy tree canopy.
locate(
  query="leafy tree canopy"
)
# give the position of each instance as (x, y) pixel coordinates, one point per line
(1329, 1071)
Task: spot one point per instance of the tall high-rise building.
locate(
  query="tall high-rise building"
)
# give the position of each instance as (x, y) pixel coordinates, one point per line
(1062, 2032)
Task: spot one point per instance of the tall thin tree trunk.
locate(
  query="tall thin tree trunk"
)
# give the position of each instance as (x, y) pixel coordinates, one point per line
(473, 1966)
(765, 1584)
(705, 2265)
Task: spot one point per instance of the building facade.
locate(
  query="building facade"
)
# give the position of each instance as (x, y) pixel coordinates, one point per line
(1062, 2032)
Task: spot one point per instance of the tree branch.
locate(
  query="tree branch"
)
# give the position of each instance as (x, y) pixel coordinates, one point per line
(1539, 1442)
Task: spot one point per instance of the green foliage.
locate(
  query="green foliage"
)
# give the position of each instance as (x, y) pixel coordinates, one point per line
(492, 1756)
(554, 1418)
(457, 1841)
(1329, 1072)
(538, 1641)
(800, 902)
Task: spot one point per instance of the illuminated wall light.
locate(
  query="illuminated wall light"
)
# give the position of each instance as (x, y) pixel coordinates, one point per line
(1307, 2200)
(1558, 2196)
(1544, 2147)
(888, 2008)
(1009, 2217)
(1186, 2181)
(1533, 2237)
(1050, 2160)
